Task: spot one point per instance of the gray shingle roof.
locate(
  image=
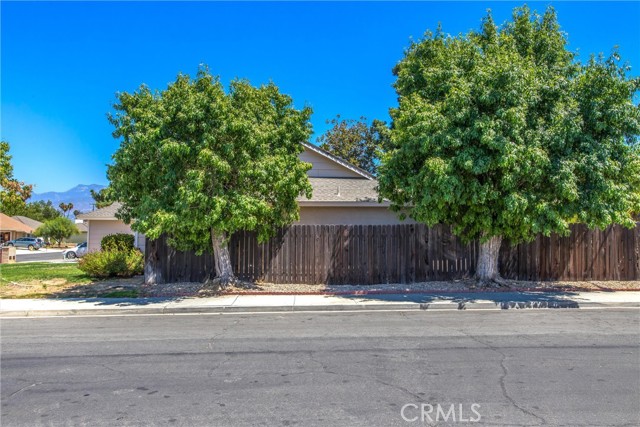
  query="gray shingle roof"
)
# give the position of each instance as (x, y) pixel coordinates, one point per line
(105, 213)
(335, 190)
(342, 190)
(27, 221)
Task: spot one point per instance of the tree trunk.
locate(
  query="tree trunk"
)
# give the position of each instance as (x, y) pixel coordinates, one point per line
(152, 274)
(222, 260)
(487, 267)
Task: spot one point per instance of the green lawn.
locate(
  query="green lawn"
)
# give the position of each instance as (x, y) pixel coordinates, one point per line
(42, 271)
(41, 280)
(60, 280)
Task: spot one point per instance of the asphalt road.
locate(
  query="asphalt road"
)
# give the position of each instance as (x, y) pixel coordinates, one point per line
(521, 368)
(39, 256)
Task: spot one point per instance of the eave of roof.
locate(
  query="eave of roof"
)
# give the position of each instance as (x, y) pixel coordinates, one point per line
(347, 203)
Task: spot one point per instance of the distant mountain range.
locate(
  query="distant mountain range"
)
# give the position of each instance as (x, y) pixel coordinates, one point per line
(80, 196)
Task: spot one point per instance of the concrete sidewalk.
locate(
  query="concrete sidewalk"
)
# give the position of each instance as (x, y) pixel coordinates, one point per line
(296, 303)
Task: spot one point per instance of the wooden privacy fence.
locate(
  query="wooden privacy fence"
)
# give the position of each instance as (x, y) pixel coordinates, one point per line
(370, 254)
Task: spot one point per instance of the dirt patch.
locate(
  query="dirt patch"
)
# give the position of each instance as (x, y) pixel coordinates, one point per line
(135, 287)
(443, 286)
(60, 288)
(201, 290)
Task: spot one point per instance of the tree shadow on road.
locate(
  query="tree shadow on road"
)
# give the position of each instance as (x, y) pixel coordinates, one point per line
(502, 300)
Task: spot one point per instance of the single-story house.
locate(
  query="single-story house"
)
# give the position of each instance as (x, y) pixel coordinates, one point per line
(102, 222)
(11, 228)
(342, 194)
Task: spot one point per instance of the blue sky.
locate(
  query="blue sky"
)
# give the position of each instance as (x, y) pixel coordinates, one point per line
(62, 63)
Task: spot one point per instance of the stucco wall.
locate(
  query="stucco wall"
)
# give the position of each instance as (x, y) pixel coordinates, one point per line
(349, 216)
(99, 229)
(326, 168)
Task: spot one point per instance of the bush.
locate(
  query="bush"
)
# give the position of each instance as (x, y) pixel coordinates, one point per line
(112, 263)
(117, 242)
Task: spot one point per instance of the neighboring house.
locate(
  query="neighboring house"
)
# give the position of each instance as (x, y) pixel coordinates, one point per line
(28, 221)
(81, 237)
(102, 222)
(11, 228)
(342, 194)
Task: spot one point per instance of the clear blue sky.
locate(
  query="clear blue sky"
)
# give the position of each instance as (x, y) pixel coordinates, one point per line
(62, 63)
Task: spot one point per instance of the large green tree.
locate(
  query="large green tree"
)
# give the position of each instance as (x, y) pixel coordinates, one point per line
(356, 141)
(13, 193)
(501, 133)
(198, 163)
(41, 211)
(57, 229)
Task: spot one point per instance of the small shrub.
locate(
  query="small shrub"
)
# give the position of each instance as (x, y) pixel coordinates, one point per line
(112, 263)
(117, 242)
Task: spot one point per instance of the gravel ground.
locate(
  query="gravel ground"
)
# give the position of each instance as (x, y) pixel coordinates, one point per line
(200, 289)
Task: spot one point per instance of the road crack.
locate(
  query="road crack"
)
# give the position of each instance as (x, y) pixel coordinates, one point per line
(23, 389)
(326, 370)
(501, 380)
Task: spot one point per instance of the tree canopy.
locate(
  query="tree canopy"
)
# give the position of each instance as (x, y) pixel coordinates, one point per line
(57, 229)
(13, 193)
(356, 141)
(102, 198)
(197, 162)
(66, 208)
(40, 210)
(502, 133)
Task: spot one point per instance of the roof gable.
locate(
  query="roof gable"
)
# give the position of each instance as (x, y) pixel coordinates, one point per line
(326, 165)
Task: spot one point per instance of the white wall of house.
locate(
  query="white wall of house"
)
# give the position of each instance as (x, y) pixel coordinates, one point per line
(326, 168)
(100, 228)
(338, 215)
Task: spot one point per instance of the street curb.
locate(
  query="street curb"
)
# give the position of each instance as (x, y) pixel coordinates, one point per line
(420, 291)
(435, 306)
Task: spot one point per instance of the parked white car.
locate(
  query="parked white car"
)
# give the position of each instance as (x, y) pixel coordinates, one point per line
(76, 252)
